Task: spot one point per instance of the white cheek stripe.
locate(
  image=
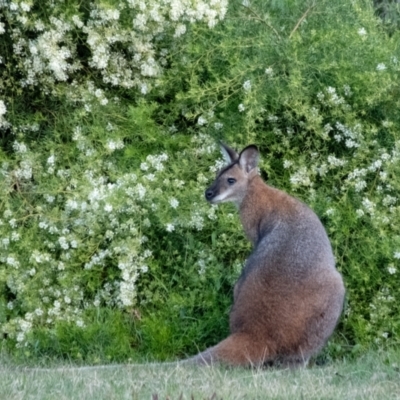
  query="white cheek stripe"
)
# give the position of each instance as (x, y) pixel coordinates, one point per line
(222, 197)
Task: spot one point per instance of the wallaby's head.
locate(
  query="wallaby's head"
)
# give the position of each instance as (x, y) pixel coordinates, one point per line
(232, 181)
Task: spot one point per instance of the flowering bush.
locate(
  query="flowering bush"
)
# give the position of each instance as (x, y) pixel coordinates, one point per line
(84, 214)
(121, 41)
(316, 94)
(110, 113)
(89, 234)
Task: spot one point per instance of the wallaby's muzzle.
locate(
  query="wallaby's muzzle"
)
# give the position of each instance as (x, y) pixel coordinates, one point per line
(209, 194)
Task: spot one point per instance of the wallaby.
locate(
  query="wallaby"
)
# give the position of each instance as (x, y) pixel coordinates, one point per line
(289, 295)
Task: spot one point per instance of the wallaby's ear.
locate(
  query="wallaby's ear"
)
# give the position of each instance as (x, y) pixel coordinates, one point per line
(229, 154)
(248, 158)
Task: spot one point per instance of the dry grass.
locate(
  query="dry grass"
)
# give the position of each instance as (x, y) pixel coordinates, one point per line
(374, 376)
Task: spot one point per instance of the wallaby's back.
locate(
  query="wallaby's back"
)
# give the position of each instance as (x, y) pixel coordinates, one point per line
(289, 296)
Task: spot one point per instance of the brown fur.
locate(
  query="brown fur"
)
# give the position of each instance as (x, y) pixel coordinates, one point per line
(289, 296)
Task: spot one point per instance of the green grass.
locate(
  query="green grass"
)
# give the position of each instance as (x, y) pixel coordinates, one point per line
(372, 376)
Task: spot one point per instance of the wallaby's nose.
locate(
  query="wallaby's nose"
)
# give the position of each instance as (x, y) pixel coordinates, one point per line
(209, 194)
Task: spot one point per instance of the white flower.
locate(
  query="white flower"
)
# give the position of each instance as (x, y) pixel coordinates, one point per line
(19, 147)
(3, 108)
(150, 177)
(301, 178)
(360, 185)
(335, 162)
(241, 107)
(7, 213)
(197, 221)
(269, 71)
(272, 118)
(397, 255)
(147, 253)
(63, 243)
(141, 191)
(25, 7)
(172, 129)
(391, 269)
(49, 198)
(114, 145)
(362, 32)
(144, 239)
(180, 30)
(201, 121)
(369, 206)
(76, 20)
(143, 88)
(20, 336)
(202, 264)
(144, 268)
(38, 312)
(108, 208)
(347, 90)
(381, 67)
(51, 160)
(247, 86)
(287, 164)
(178, 183)
(174, 202)
(170, 227)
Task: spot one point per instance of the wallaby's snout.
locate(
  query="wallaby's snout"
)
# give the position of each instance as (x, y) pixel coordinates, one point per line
(209, 193)
(289, 296)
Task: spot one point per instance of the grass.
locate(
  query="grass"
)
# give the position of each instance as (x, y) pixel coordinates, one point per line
(373, 376)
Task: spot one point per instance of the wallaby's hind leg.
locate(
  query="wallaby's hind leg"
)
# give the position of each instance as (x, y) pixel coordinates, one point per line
(238, 349)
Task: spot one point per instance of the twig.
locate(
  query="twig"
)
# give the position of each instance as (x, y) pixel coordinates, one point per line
(256, 17)
(303, 17)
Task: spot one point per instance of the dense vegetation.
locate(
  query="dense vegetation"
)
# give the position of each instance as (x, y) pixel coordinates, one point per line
(110, 114)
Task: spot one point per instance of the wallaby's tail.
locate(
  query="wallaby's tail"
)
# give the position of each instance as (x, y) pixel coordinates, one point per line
(238, 349)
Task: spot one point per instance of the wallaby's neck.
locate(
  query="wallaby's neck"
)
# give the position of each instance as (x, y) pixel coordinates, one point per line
(259, 210)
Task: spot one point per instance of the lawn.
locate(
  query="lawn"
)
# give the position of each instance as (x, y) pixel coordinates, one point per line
(372, 376)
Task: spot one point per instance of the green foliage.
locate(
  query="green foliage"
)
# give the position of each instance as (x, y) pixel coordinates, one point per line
(108, 249)
(389, 11)
(316, 87)
(110, 335)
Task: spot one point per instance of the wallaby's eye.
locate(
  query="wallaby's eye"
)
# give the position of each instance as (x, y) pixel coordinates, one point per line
(231, 181)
